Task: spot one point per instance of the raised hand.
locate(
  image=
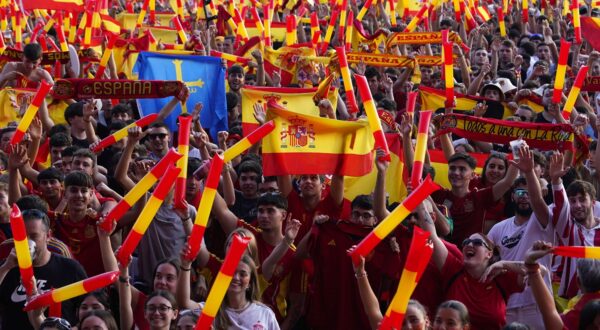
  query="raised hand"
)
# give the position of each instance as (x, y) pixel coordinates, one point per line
(291, 229)
(525, 162)
(557, 169)
(537, 251)
(259, 113)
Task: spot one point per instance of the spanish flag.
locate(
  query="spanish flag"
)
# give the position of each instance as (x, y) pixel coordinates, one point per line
(298, 99)
(590, 28)
(363, 43)
(303, 144)
(67, 5)
(277, 30)
(434, 99)
(439, 163)
(293, 61)
(394, 179)
(11, 100)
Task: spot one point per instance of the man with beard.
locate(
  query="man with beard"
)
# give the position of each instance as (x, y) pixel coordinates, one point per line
(515, 236)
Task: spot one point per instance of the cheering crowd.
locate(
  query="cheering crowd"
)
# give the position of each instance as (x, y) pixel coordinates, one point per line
(494, 227)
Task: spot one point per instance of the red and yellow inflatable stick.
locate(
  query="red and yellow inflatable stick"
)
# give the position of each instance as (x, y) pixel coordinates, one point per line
(421, 147)
(363, 10)
(349, 31)
(72, 290)
(208, 197)
(588, 252)
(147, 215)
(230, 57)
(248, 141)
(180, 31)
(314, 27)
(418, 256)
(17, 225)
(183, 147)
(31, 111)
(561, 71)
(575, 89)
(415, 20)
(221, 284)
(371, 111)
(411, 101)
(106, 55)
(139, 189)
(388, 224)
(347, 78)
(120, 134)
(576, 20)
(267, 25)
(448, 69)
(501, 22)
(290, 30)
(329, 32)
(525, 10)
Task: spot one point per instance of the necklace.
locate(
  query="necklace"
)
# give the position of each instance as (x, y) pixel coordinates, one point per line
(240, 310)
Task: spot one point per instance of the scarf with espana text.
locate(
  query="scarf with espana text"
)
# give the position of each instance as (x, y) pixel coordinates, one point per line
(537, 135)
(50, 58)
(115, 89)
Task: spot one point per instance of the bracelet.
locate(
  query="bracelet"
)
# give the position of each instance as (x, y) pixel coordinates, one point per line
(360, 275)
(532, 267)
(185, 269)
(123, 279)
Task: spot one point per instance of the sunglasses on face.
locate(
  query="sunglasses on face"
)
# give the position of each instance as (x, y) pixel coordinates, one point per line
(521, 193)
(476, 242)
(161, 136)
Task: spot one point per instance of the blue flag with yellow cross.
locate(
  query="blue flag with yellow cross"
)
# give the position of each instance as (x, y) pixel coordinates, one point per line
(203, 75)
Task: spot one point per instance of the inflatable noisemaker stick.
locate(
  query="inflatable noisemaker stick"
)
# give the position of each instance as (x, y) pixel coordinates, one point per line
(106, 56)
(421, 147)
(371, 111)
(257, 20)
(152, 12)
(448, 69)
(315, 40)
(2, 44)
(222, 281)
(343, 17)
(347, 78)
(575, 89)
(60, 33)
(349, 30)
(55, 310)
(248, 141)
(418, 256)
(179, 27)
(17, 225)
(180, 9)
(588, 252)
(142, 15)
(525, 11)
(415, 20)
(392, 13)
(208, 197)
(183, 147)
(456, 6)
(30, 112)
(229, 57)
(363, 10)
(561, 71)
(314, 27)
(87, 36)
(120, 134)
(139, 190)
(576, 20)
(267, 25)
(72, 290)
(329, 32)
(147, 215)
(18, 32)
(501, 22)
(388, 224)
(290, 30)
(411, 100)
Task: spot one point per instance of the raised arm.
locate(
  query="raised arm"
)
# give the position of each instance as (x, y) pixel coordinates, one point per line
(379, 198)
(170, 106)
(504, 185)
(291, 231)
(182, 293)
(367, 296)
(440, 252)
(135, 134)
(226, 218)
(525, 164)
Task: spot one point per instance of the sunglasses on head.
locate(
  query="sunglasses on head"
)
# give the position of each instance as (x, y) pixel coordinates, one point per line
(476, 242)
(56, 322)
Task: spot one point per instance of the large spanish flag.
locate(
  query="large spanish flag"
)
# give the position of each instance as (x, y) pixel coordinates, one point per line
(297, 99)
(293, 61)
(302, 144)
(68, 5)
(434, 99)
(11, 99)
(590, 28)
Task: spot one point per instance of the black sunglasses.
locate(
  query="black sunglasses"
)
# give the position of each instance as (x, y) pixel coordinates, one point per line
(161, 136)
(476, 242)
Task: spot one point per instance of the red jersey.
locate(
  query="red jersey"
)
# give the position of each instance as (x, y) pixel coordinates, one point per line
(496, 212)
(273, 292)
(468, 213)
(326, 206)
(334, 299)
(81, 237)
(486, 302)
(571, 317)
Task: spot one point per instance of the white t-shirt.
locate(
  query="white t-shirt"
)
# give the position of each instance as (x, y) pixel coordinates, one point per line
(256, 317)
(513, 241)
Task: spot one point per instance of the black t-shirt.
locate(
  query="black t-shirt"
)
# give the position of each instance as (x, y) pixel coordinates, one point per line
(80, 143)
(58, 272)
(245, 208)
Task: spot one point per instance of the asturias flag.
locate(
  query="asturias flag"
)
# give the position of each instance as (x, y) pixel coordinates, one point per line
(203, 75)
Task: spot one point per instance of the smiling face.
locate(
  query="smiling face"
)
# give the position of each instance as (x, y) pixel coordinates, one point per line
(249, 184)
(158, 140)
(83, 164)
(236, 81)
(494, 171)
(414, 319)
(476, 251)
(581, 207)
(520, 196)
(459, 173)
(160, 313)
(78, 198)
(50, 188)
(240, 281)
(165, 278)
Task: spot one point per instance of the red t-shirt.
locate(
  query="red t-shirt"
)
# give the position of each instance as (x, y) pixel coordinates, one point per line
(468, 213)
(496, 212)
(486, 302)
(274, 292)
(326, 206)
(571, 317)
(81, 237)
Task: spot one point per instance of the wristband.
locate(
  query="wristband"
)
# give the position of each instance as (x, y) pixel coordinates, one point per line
(185, 269)
(360, 275)
(123, 279)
